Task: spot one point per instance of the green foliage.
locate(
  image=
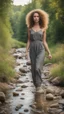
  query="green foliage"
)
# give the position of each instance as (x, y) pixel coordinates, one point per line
(6, 64)
(5, 35)
(57, 53)
(16, 19)
(58, 70)
(58, 60)
(55, 10)
(6, 61)
(17, 44)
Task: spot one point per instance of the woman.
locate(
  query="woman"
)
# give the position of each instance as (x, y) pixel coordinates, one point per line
(37, 23)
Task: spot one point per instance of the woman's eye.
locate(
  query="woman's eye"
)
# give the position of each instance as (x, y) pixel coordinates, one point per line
(36, 16)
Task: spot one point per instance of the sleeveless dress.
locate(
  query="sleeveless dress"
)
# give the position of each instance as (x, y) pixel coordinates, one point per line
(37, 54)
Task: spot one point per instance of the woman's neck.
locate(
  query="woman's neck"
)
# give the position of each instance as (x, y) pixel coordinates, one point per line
(36, 24)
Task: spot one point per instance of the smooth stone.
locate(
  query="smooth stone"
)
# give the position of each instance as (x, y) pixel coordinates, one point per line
(19, 89)
(26, 110)
(22, 98)
(50, 90)
(24, 70)
(28, 63)
(56, 105)
(18, 107)
(33, 106)
(49, 96)
(22, 93)
(22, 74)
(19, 81)
(15, 94)
(24, 86)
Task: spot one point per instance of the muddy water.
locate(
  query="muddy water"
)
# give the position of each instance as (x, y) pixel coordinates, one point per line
(27, 98)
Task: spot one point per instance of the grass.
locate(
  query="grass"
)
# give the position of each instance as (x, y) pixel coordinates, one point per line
(7, 62)
(58, 70)
(57, 60)
(17, 44)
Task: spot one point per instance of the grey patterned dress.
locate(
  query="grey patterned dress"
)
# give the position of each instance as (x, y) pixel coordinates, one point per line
(37, 54)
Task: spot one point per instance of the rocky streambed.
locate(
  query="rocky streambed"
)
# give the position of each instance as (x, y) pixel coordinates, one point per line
(22, 98)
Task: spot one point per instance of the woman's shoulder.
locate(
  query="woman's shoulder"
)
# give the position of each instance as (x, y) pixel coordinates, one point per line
(29, 29)
(43, 29)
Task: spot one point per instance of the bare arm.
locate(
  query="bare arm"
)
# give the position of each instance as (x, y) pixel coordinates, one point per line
(28, 41)
(46, 45)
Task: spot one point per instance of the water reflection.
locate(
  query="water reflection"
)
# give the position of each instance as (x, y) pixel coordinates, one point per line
(39, 104)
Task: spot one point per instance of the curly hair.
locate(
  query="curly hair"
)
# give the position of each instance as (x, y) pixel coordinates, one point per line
(43, 18)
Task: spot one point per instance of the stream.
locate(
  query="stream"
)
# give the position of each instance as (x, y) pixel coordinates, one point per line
(23, 99)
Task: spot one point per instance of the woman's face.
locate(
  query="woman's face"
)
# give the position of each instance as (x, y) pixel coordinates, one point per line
(36, 17)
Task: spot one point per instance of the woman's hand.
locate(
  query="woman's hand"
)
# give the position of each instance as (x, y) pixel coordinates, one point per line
(50, 56)
(26, 55)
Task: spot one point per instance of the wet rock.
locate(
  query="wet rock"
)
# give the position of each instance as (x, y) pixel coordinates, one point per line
(18, 107)
(22, 98)
(50, 90)
(26, 81)
(24, 65)
(22, 93)
(24, 86)
(48, 64)
(20, 57)
(33, 106)
(24, 70)
(28, 63)
(61, 102)
(62, 93)
(19, 81)
(2, 97)
(26, 110)
(56, 81)
(23, 74)
(57, 97)
(54, 111)
(17, 77)
(11, 87)
(56, 105)
(49, 96)
(15, 94)
(46, 73)
(19, 89)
